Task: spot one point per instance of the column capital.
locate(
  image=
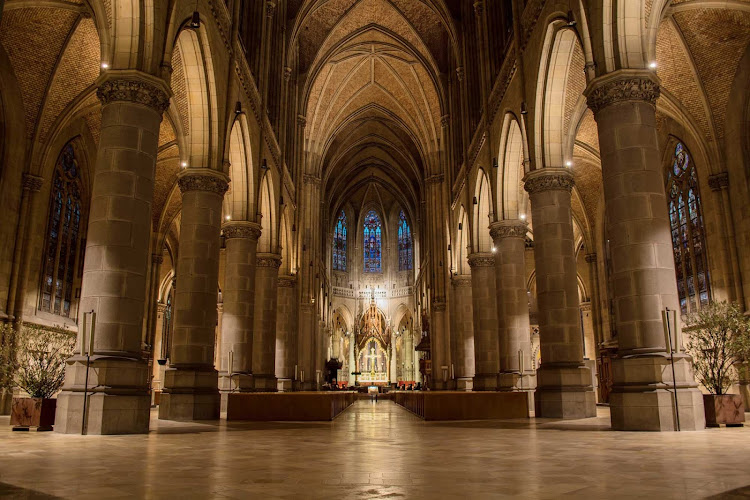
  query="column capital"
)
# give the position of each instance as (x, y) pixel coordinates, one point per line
(438, 304)
(302, 120)
(719, 181)
(548, 179)
(622, 85)
(311, 179)
(481, 260)
(287, 73)
(241, 230)
(32, 182)
(203, 179)
(434, 179)
(287, 281)
(513, 228)
(133, 86)
(591, 258)
(268, 260)
(270, 9)
(157, 258)
(460, 73)
(461, 281)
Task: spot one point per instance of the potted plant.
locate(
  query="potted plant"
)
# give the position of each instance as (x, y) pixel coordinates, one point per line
(40, 370)
(719, 339)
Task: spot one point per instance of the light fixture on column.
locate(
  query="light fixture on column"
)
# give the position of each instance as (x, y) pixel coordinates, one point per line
(652, 65)
(460, 226)
(281, 200)
(105, 65)
(238, 108)
(571, 19)
(494, 249)
(523, 216)
(184, 164)
(264, 165)
(523, 108)
(494, 163)
(228, 217)
(568, 163)
(294, 228)
(476, 202)
(195, 21)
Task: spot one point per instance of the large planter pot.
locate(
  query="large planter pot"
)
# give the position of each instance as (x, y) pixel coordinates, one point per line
(724, 409)
(33, 412)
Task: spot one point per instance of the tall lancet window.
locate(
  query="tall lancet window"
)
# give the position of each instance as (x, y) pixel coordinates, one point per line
(405, 247)
(688, 234)
(339, 243)
(372, 242)
(63, 253)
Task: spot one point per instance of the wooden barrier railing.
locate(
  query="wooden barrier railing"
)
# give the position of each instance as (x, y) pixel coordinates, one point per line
(456, 405)
(288, 406)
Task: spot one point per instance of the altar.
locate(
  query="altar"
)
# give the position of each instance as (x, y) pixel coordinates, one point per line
(373, 363)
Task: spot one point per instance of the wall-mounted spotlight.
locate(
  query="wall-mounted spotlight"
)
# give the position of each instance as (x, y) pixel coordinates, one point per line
(476, 202)
(281, 200)
(294, 228)
(524, 111)
(264, 165)
(460, 226)
(195, 21)
(238, 108)
(571, 19)
(494, 163)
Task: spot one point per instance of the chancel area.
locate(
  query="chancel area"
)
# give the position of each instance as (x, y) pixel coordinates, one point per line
(430, 237)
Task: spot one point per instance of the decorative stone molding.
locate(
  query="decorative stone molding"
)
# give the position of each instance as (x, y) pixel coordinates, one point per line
(32, 182)
(479, 8)
(203, 180)
(530, 14)
(585, 306)
(268, 260)
(445, 120)
(270, 9)
(311, 179)
(435, 179)
(287, 73)
(590, 258)
(461, 281)
(509, 229)
(161, 307)
(438, 304)
(719, 181)
(241, 230)
(302, 120)
(139, 92)
(481, 260)
(287, 281)
(619, 87)
(460, 73)
(157, 258)
(548, 179)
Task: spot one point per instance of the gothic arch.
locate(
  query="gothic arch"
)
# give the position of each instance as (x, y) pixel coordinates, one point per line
(512, 199)
(482, 212)
(239, 201)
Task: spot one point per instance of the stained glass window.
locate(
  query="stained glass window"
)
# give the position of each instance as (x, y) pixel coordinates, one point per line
(63, 252)
(339, 244)
(405, 249)
(688, 234)
(372, 242)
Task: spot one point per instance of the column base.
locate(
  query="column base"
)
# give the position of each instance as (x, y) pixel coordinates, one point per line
(485, 382)
(240, 382)
(464, 384)
(642, 397)
(564, 392)
(264, 383)
(118, 401)
(284, 385)
(190, 394)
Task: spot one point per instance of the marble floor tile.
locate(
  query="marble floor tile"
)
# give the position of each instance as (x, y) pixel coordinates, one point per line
(378, 450)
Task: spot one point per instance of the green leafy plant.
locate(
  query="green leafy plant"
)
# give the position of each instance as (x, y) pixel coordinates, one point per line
(719, 338)
(41, 354)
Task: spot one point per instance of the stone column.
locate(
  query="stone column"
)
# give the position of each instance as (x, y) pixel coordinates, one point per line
(286, 331)
(241, 241)
(624, 105)
(408, 355)
(463, 337)
(352, 361)
(191, 383)
(484, 305)
(563, 382)
(514, 334)
(719, 183)
(264, 336)
(116, 261)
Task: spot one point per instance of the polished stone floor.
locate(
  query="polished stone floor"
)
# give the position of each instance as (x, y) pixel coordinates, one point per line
(377, 450)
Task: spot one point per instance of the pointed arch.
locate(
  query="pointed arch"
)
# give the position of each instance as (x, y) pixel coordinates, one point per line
(267, 214)
(340, 232)
(405, 244)
(239, 202)
(482, 212)
(373, 242)
(463, 243)
(512, 197)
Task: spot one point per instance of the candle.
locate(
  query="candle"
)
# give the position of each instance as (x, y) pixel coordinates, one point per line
(520, 361)
(93, 330)
(230, 362)
(295, 372)
(83, 336)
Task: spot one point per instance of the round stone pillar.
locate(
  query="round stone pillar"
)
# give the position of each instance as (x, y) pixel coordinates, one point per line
(463, 332)
(116, 262)
(484, 306)
(191, 382)
(564, 384)
(514, 333)
(264, 336)
(643, 275)
(241, 242)
(286, 331)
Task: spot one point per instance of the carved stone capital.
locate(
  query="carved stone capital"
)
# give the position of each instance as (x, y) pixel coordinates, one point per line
(302, 120)
(585, 306)
(445, 120)
(157, 258)
(311, 179)
(590, 258)
(479, 7)
(270, 9)
(32, 182)
(719, 181)
(287, 281)
(203, 179)
(549, 179)
(268, 260)
(435, 179)
(137, 91)
(241, 230)
(438, 304)
(508, 229)
(287, 73)
(481, 260)
(161, 307)
(461, 281)
(460, 73)
(622, 86)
